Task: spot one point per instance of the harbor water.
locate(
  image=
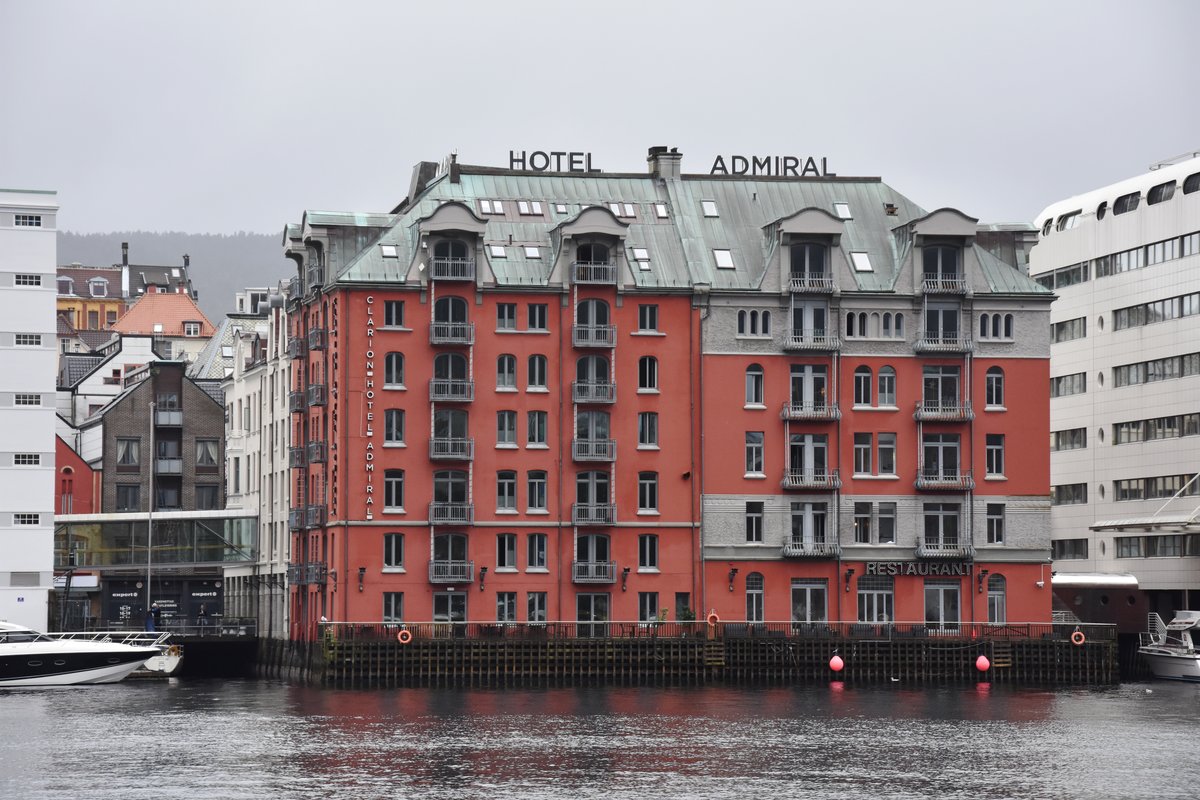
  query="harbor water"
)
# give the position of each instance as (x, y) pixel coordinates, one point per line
(257, 739)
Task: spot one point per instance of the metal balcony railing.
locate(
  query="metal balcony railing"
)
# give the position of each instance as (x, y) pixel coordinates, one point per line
(449, 513)
(593, 391)
(314, 277)
(451, 390)
(811, 480)
(943, 284)
(938, 342)
(944, 480)
(168, 418)
(316, 339)
(295, 348)
(169, 466)
(820, 340)
(295, 574)
(937, 411)
(451, 269)
(316, 394)
(798, 548)
(451, 571)
(593, 514)
(810, 410)
(296, 457)
(294, 288)
(315, 572)
(594, 449)
(814, 284)
(317, 452)
(451, 333)
(594, 571)
(598, 272)
(296, 518)
(944, 548)
(594, 335)
(451, 449)
(296, 402)
(314, 516)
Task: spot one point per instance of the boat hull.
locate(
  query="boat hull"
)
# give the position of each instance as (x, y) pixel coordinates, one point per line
(1172, 666)
(70, 668)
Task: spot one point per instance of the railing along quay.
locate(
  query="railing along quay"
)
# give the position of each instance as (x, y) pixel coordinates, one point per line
(697, 653)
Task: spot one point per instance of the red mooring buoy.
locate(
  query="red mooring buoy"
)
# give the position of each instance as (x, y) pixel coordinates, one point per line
(836, 664)
(982, 664)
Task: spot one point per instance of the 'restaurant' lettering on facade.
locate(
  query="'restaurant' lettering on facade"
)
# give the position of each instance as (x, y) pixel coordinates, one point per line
(948, 569)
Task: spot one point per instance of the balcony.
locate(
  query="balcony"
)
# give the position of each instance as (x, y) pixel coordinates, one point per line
(944, 480)
(814, 340)
(316, 394)
(593, 272)
(934, 411)
(316, 339)
(594, 449)
(593, 572)
(314, 516)
(810, 411)
(296, 457)
(593, 514)
(169, 466)
(315, 572)
(295, 348)
(314, 278)
(295, 573)
(937, 342)
(593, 391)
(811, 284)
(446, 513)
(798, 548)
(317, 452)
(442, 268)
(811, 480)
(943, 284)
(594, 335)
(451, 390)
(168, 418)
(946, 548)
(451, 449)
(451, 333)
(296, 403)
(294, 288)
(296, 519)
(451, 571)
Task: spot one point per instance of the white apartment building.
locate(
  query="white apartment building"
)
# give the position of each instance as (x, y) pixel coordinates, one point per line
(1125, 393)
(257, 437)
(28, 347)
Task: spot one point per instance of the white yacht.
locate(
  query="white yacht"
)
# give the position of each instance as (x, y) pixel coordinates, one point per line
(1173, 650)
(30, 658)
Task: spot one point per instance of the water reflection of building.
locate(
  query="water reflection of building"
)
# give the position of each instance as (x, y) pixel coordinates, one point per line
(525, 395)
(1125, 262)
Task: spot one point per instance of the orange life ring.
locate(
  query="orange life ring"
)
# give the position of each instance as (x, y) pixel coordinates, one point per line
(1077, 638)
(404, 637)
(713, 619)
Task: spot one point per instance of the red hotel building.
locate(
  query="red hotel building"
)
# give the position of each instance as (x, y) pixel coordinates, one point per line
(585, 396)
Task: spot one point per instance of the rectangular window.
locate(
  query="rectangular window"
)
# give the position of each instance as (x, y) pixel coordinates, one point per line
(25, 279)
(506, 316)
(647, 429)
(995, 523)
(995, 454)
(393, 606)
(1065, 385)
(393, 313)
(27, 399)
(1067, 549)
(648, 374)
(648, 317)
(709, 207)
(506, 551)
(647, 606)
(1068, 494)
(537, 491)
(647, 491)
(129, 497)
(1075, 439)
(754, 452)
(754, 521)
(189, 328)
(887, 523)
(532, 252)
(28, 220)
(862, 454)
(724, 259)
(128, 453)
(536, 427)
(537, 372)
(393, 490)
(536, 551)
(28, 340)
(887, 453)
(641, 257)
(535, 606)
(208, 497)
(1068, 330)
(491, 207)
(27, 519)
(27, 459)
(506, 491)
(623, 209)
(862, 523)
(506, 429)
(648, 551)
(537, 317)
(660, 210)
(506, 606)
(393, 550)
(206, 454)
(529, 208)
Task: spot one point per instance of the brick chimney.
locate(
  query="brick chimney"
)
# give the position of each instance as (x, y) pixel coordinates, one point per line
(665, 163)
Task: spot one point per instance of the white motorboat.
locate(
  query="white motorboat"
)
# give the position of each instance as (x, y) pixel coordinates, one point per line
(1173, 650)
(165, 662)
(30, 658)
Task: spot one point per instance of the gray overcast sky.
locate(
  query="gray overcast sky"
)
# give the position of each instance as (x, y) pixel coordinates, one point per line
(214, 117)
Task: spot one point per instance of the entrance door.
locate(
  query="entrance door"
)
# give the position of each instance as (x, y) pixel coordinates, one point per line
(591, 611)
(450, 607)
(941, 605)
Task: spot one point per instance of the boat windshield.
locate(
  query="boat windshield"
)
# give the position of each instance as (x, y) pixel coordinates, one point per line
(14, 637)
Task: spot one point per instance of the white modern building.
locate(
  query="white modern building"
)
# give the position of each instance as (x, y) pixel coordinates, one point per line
(257, 436)
(28, 347)
(1124, 261)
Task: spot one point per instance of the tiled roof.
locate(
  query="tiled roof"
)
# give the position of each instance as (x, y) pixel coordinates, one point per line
(212, 388)
(95, 339)
(80, 277)
(211, 361)
(74, 367)
(65, 328)
(168, 310)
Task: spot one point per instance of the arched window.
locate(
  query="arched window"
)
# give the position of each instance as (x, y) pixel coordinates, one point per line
(754, 385)
(648, 373)
(766, 323)
(592, 253)
(874, 329)
(808, 259)
(742, 319)
(994, 387)
(997, 602)
(506, 372)
(899, 326)
(450, 249)
(450, 309)
(755, 591)
(1008, 326)
(754, 323)
(393, 369)
(887, 325)
(983, 326)
(862, 323)
(850, 319)
(592, 312)
(996, 326)
(862, 386)
(887, 386)
(537, 372)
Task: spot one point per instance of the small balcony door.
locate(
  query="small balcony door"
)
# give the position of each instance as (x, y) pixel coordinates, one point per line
(592, 612)
(807, 454)
(809, 385)
(449, 606)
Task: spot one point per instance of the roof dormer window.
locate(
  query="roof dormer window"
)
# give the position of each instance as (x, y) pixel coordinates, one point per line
(98, 287)
(66, 286)
(497, 251)
(529, 208)
(191, 329)
(491, 207)
(627, 210)
(660, 210)
(641, 257)
(532, 251)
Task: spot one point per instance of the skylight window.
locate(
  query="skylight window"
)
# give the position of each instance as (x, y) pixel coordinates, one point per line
(497, 251)
(388, 250)
(709, 207)
(842, 210)
(560, 208)
(862, 262)
(533, 252)
(529, 207)
(226, 351)
(724, 259)
(642, 257)
(660, 210)
(491, 207)
(623, 209)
